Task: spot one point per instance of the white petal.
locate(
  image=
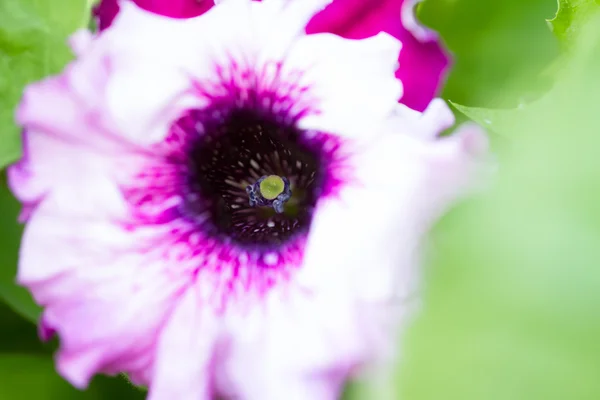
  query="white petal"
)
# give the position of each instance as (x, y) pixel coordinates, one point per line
(149, 58)
(353, 81)
(278, 23)
(367, 239)
(306, 344)
(80, 41)
(185, 350)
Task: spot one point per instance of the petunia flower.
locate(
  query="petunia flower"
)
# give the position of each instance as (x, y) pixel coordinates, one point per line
(143, 243)
(424, 61)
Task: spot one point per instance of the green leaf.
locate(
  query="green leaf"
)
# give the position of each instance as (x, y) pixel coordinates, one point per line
(28, 371)
(33, 44)
(377, 386)
(511, 303)
(18, 335)
(494, 44)
(571, 16)
(10, 233)
(498, 120)
(27, 376)
(32, 377)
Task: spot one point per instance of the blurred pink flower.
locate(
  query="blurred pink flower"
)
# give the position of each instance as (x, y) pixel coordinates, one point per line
(423, 60)
(106, 10)
(140, 241)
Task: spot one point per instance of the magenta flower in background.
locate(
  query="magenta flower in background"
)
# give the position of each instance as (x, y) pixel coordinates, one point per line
(424, 61)
(106, 10)
(141, 162)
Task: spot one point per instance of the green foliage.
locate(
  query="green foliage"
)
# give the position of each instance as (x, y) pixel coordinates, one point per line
(27, 370)
(10, 235)
(33, 38)
(496, 120)
(495, 44)
(32, 376)
(510, 310)
(571, 15)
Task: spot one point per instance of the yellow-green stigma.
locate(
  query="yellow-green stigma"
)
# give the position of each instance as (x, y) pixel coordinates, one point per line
(271, 191)
(271, 187)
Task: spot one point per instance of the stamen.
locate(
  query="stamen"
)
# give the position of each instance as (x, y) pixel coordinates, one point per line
(272, 190)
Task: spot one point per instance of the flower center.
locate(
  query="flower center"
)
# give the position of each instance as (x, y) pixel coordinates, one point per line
(254, 178)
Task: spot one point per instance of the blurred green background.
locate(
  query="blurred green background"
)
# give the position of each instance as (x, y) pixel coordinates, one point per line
(511, 304)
